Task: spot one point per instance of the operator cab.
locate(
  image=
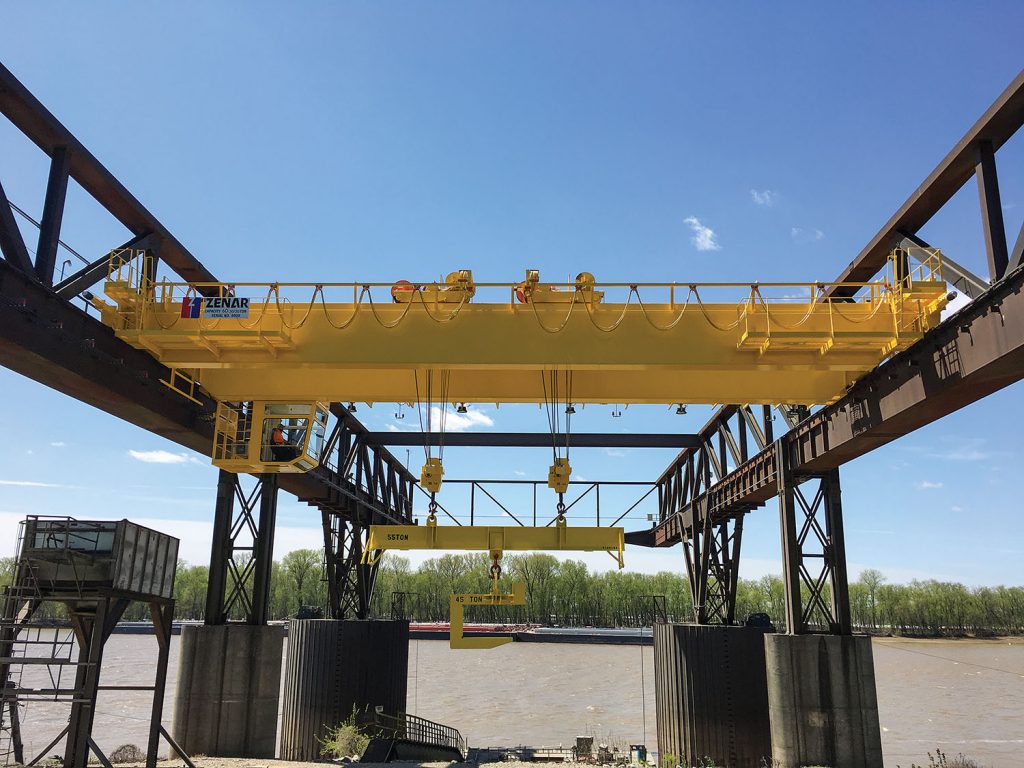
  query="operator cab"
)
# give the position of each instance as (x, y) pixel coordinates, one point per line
(263, 436)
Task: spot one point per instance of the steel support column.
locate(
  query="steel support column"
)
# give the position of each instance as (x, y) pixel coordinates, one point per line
(712, 565)
(92, 622)
(242, 553)
(991, 211)
(264, 550)
(1017, 255)
(162, 614)
(53, 214)
(813, 551)
(349, 582)
(12, 244)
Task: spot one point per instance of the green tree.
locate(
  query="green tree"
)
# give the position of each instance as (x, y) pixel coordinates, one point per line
(302, 566)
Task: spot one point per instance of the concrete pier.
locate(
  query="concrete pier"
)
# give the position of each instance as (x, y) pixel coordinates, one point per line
(822, 702)
(711, 693)
(335, 668)
(229, 679)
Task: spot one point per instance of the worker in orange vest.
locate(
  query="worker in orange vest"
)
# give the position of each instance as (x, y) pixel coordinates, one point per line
(279, 445)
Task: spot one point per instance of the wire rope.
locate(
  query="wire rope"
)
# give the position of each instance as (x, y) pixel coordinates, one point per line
(671, 325)
(355, 309)
(716, 326)
(565, 322)
(768, 313)
(373, 309)
(305, 317)
(454, 313)
(622, 315)
(878, 306)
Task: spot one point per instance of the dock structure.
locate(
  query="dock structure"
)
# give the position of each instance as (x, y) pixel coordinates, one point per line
(753, 703)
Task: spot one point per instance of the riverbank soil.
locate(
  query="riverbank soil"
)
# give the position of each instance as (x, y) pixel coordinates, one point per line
(249, 762)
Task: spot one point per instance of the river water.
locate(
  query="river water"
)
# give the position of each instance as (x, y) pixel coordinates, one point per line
(962, 696)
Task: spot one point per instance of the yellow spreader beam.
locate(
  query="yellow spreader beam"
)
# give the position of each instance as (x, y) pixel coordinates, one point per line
(656, 343)
(495, 539)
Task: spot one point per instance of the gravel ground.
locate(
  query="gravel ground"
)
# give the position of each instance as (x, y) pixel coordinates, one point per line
(249, 762)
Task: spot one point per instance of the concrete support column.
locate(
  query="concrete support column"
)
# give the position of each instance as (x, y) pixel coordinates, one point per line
(335, 667)
(711, 695)
(822, 702)
(229, 680)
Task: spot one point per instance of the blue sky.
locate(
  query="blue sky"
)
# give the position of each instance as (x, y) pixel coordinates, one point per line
(640, 141)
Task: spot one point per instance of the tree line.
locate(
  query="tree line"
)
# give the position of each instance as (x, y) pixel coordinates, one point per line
(567, 593)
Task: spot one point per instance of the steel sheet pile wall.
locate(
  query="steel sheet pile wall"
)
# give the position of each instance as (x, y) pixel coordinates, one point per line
(335, 667)
(711, 694)
(310, 687)
(374, 665)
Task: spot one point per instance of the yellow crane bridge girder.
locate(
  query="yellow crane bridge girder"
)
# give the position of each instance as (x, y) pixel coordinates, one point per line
(659, 343)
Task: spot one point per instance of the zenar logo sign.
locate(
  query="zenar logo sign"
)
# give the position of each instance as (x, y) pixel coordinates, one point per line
(215, 308)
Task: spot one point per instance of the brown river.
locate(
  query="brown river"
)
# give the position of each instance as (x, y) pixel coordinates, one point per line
(962, 696)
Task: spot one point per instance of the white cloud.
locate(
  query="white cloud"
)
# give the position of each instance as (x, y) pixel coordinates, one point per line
(703, 237)
(955, 508)
(966, 450)
(614, 453)
(519, 473)
(925, 485)
(30, 484)
(810, 235)
(765, 197)
(458, 422)
(162, 457)
(58, 444)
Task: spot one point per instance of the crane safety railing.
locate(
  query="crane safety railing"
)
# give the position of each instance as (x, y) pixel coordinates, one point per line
(136, 268)
(298, 300)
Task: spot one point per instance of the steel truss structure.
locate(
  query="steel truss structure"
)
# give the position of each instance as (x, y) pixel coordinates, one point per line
(814, 554)
(243, 549)
(46, 337)
(972, 354)
(365, 486)
(735, 464)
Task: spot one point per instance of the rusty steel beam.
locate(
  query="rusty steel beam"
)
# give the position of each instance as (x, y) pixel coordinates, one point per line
(34, 120)
(49, 340)
(972, 354)
(46, 338)
(995, 127)
(12, 244)
(991, 211)
(53, 214)
(534, 439)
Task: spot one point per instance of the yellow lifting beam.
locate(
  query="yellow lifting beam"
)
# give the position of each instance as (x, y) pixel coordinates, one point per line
(457, 604)
(622, 343)
(494, 539)
(558, 537)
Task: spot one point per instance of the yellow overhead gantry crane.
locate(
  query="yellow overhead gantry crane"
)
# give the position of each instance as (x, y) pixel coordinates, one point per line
(657, 343)
(274, 355)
